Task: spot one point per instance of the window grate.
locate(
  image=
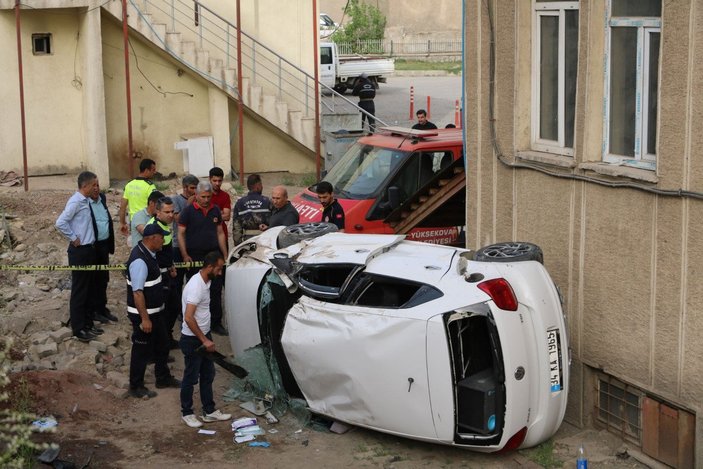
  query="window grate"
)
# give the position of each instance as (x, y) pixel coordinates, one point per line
(41, 44)
(619, 408)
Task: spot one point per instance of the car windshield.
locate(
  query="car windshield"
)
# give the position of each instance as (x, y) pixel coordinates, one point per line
(361, 172)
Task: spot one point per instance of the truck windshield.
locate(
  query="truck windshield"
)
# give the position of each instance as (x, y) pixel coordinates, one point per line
(361, 172)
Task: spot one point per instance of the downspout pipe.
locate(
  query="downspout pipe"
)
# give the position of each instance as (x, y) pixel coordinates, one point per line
(240, 92)
(21, 80)
(316, 54)
(125, 35)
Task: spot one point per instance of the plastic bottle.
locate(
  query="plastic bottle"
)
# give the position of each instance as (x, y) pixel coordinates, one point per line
(582, 461)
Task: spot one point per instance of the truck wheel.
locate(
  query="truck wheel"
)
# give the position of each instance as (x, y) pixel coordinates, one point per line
(295, 233)
(341, 89)
(510, 252)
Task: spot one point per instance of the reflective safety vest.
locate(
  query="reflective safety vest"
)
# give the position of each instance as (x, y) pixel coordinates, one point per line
(137, 194)
(153, 291)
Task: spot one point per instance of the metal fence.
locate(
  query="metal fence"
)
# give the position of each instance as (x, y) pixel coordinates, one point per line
(399, 48)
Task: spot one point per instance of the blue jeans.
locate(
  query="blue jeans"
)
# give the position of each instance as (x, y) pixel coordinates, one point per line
(197, 368)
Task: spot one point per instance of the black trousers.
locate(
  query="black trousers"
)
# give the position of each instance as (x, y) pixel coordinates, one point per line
(369, 107)
(145, 346)
(101, 279)
(82, 286)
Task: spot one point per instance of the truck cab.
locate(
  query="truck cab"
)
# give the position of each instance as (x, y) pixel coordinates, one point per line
(381, 173)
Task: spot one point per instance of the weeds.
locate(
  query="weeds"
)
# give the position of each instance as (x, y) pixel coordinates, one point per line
(544, 455)
(287, 180)
(308, 180)
(161, 186)
(15, 420)
(450, 67)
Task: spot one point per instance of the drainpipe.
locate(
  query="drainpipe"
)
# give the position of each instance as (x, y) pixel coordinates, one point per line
(316, 54)
(21, 79)
(240, 105)
(125, 34)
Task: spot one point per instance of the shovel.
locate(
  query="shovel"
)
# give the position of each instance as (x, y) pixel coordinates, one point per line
(221, 360)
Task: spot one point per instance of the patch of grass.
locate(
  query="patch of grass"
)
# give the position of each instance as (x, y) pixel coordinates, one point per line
(380, 451)
(450, 67)
(308, 180)
(238, 187)
(361, 448)
(544, 455)
(287, 180)
(21, 397)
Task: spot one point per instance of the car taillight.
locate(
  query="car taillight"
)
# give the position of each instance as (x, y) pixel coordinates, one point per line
(500, 292)
(515, 441)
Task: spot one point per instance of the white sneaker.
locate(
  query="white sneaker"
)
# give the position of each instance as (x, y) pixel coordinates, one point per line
(216, 416)
(192, 421)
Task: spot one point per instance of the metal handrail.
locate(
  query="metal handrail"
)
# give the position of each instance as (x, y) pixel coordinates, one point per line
(266, 66)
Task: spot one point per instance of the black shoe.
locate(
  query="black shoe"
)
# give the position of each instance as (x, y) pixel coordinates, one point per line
(84, 336)
(101, 319)
(141, 392)
(107, 314)
(95, 330)
(219, 330)
(169, 382)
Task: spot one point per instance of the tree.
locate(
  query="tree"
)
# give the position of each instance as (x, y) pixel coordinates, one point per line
(366, 23)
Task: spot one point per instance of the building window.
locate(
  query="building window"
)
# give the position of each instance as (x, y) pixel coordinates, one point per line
(554, 69)
(41, 44)
(632, 82)
(620, 408)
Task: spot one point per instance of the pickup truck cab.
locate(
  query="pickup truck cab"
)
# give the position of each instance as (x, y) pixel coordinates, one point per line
(341, 72)
(382, 172)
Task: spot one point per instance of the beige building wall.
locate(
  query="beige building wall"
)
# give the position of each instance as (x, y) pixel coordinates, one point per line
(627, 261)
(409, 20)
(53, 94)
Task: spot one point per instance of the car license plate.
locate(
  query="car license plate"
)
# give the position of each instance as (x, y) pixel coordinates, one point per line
(554, 361)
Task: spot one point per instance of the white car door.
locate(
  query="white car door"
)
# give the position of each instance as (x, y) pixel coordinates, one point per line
(327, 72)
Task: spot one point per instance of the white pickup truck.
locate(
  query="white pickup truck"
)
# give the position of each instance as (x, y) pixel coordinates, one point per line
(341, 72)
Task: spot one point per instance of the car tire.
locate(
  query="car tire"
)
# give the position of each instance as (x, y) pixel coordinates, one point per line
(514, 251)
(341, 89)
(295, 233)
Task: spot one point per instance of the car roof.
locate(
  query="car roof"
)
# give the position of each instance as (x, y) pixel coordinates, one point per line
(414, 140)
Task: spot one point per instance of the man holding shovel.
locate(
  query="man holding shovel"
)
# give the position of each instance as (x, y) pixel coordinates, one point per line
(195, 333)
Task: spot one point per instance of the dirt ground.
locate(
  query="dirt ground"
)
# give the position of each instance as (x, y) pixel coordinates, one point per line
(96, 423)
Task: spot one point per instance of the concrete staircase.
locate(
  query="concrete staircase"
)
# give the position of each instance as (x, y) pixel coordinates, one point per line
(211, 63)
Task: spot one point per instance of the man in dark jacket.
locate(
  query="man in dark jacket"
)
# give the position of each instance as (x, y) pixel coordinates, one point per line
(366, 91)
(104, 246)
(250, 211)
(282, 211)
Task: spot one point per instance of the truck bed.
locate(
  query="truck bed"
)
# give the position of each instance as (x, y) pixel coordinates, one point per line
(353, 67)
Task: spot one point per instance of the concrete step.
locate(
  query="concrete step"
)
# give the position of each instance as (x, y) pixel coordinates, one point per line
(173, 42)
(217, 71)
(308, 132)
(158, 34)
(202, 59)
(246, 91)
(282, 115)
(188, 52)
(295, 124)
(268, 108)
(255, 98)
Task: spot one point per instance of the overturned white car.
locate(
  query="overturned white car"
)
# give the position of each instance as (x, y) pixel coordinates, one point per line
(407, 338)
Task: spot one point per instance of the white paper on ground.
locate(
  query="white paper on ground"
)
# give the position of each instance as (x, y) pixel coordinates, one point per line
(242, 439)
(207, 432)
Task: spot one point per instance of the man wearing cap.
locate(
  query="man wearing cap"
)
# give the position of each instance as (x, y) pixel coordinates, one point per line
(145, 305)
(366, 91)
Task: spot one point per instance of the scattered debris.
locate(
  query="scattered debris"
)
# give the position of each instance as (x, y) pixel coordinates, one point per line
(44, 424)
(261, 444)
(207, 432)
(9, 179)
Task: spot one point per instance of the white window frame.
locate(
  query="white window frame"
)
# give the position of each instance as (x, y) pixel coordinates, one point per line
(539, 10)
(645, 27)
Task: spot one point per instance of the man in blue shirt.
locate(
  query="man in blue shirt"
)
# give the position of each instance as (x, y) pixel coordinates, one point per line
(76, 224)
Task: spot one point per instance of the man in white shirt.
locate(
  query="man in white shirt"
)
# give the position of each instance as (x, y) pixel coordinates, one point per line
(194, 334)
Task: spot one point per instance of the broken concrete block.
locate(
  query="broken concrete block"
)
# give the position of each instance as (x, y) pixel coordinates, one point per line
(55, 325)
(118, 379)
(61, 334)
(39, 338)
(98, 345)
(16, 325)
(118, 360)
(46, 365)
(45, 350)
